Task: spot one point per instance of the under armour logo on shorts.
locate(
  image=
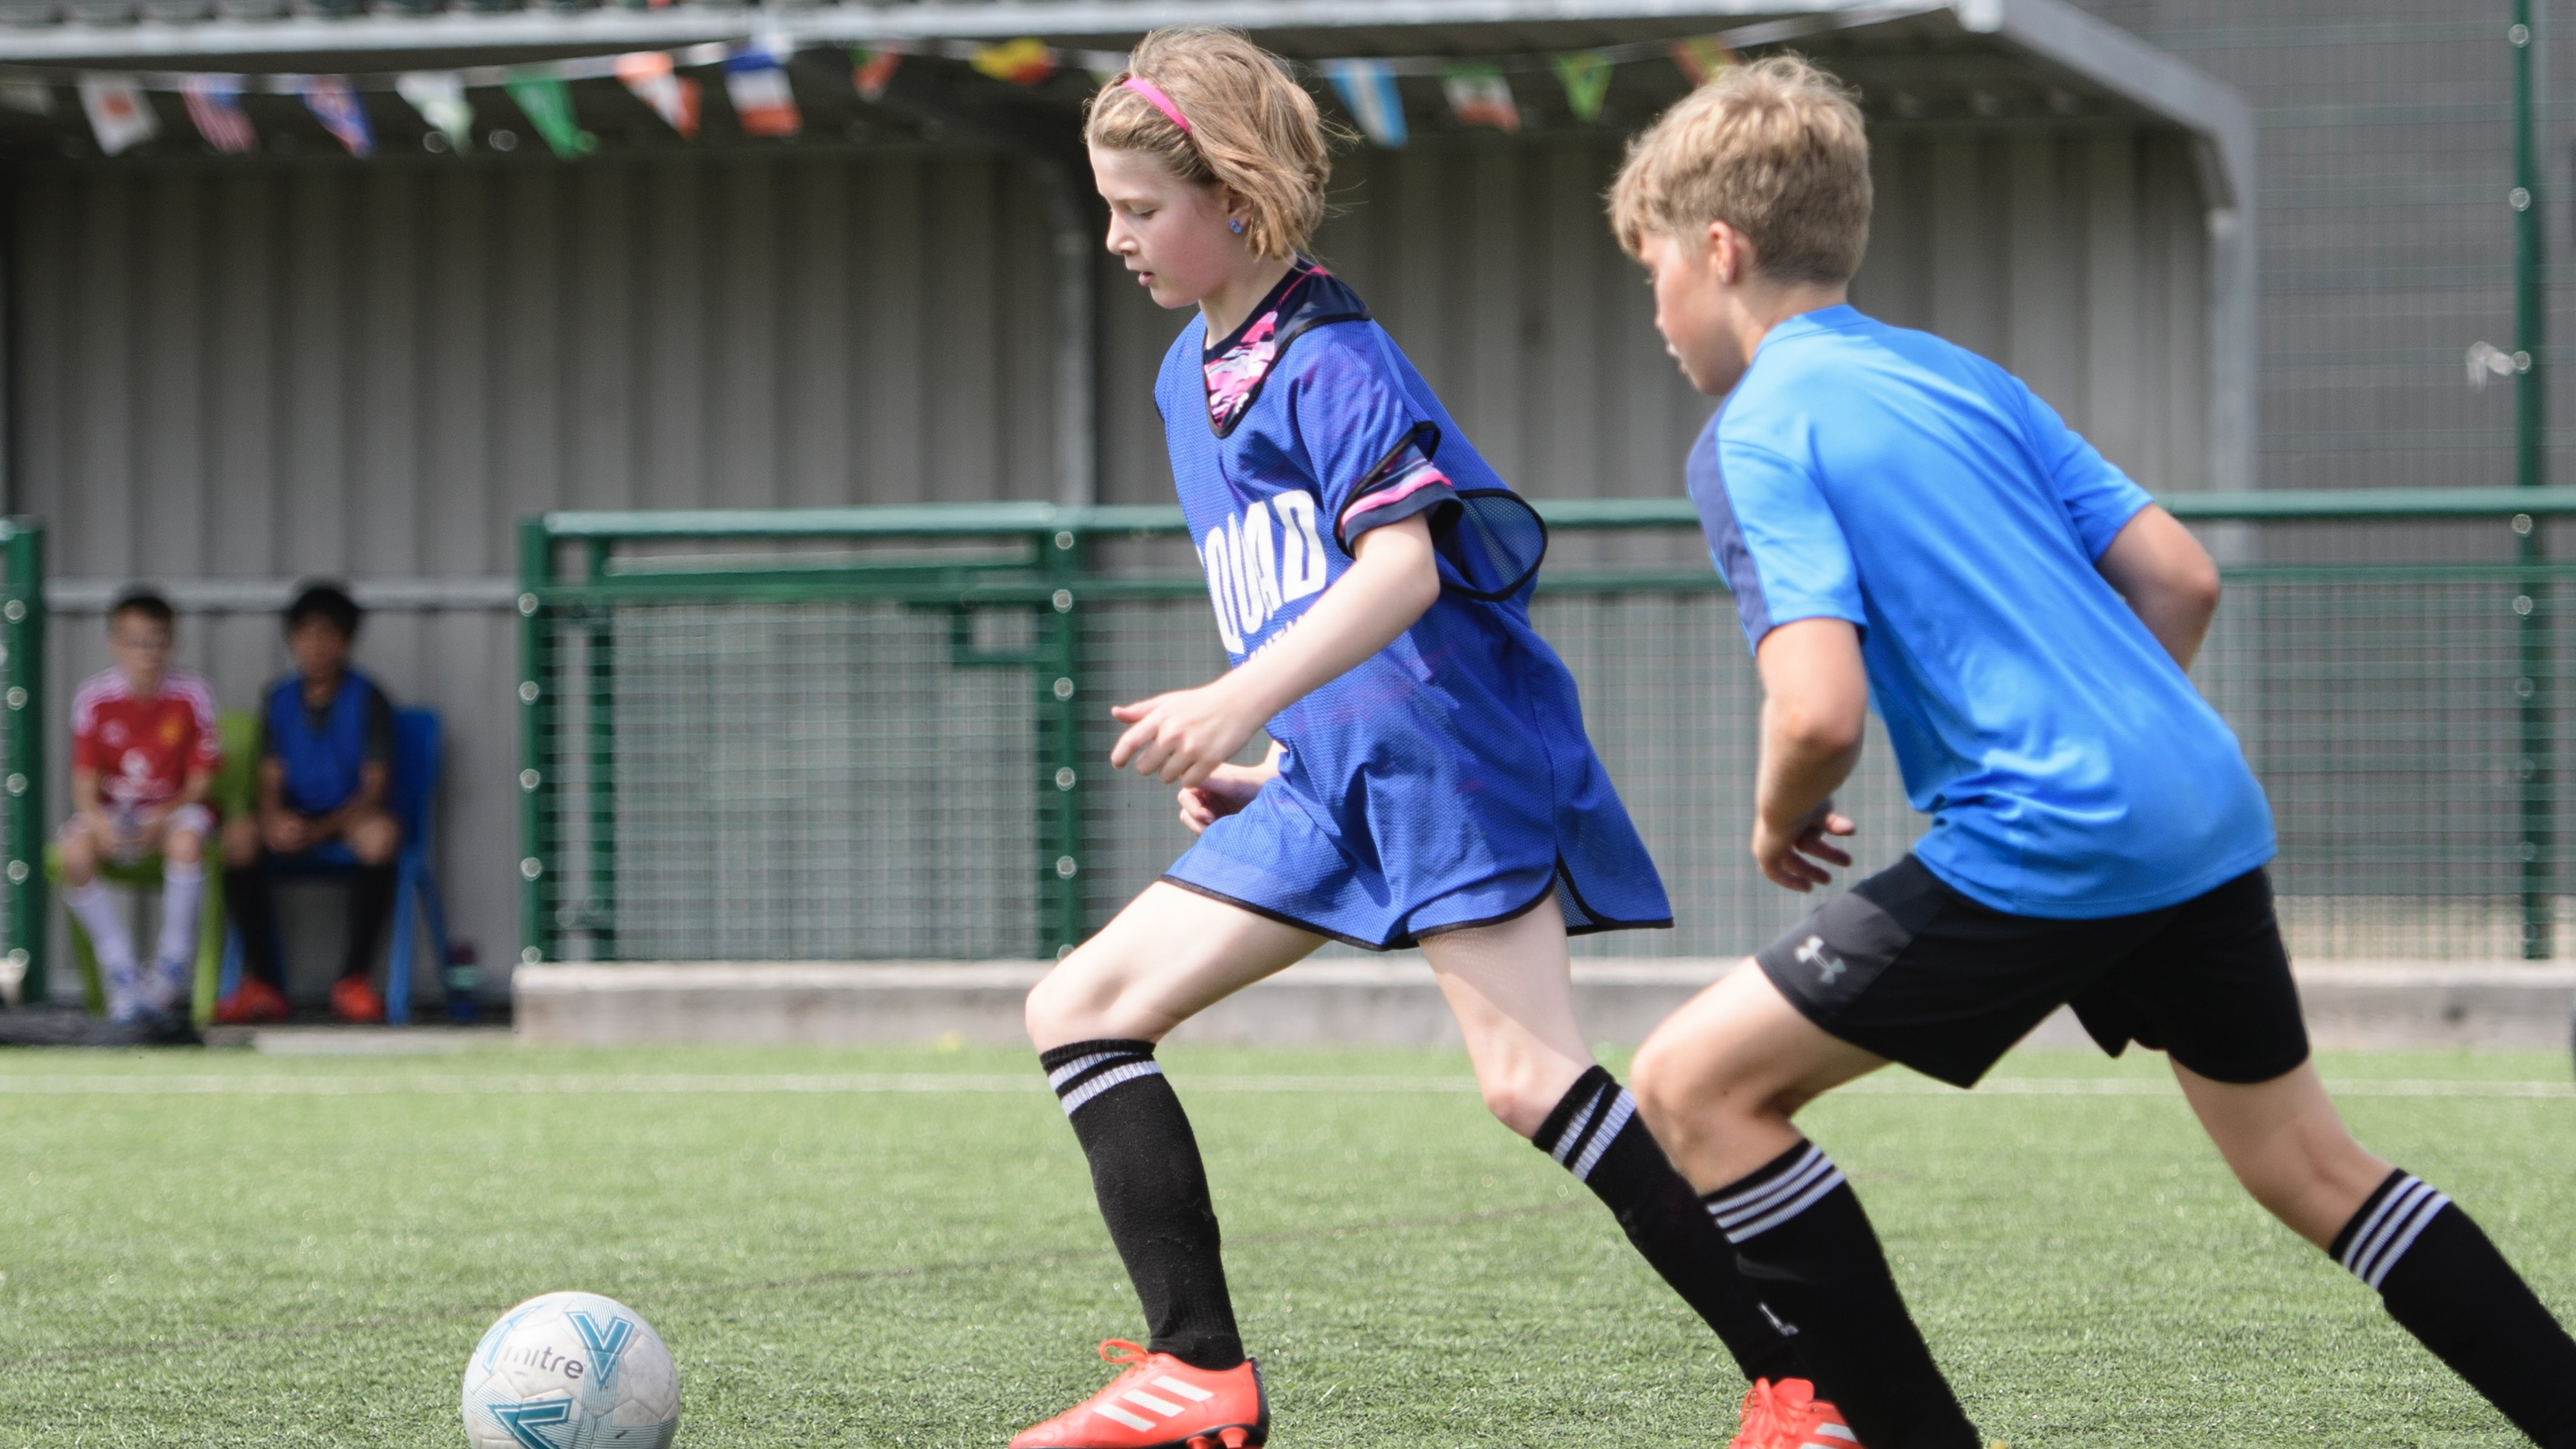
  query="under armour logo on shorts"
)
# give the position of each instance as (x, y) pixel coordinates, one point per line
(1827, 964)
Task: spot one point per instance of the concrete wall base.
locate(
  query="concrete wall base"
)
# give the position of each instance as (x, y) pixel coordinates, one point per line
(1367, 1003)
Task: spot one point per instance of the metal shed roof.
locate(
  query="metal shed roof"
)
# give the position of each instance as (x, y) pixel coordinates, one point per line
(1976, 62)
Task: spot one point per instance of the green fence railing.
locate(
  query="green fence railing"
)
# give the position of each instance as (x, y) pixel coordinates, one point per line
(22, 752)
(881, 733)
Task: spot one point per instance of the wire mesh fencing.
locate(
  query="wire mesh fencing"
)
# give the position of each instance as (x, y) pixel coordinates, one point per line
(883, 734)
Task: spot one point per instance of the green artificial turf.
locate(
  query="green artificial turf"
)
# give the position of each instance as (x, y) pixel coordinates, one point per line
(228, 1248)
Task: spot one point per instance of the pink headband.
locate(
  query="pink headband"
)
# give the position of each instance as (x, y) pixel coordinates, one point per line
(1162, 102)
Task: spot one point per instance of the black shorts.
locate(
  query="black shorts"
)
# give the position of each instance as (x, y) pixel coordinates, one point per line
(1904, 966)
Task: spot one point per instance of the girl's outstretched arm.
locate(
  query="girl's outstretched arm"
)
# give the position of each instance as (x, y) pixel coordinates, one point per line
(1184, 736)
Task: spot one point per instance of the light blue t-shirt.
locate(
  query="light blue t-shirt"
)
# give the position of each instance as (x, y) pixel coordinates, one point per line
(1865, 472)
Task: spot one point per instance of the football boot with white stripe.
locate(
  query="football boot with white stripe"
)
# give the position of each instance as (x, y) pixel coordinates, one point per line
(1788, 1415)
(1161, 1403)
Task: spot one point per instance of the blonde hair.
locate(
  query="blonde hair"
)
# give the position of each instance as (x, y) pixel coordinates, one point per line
(1774, 149)
(1252, 129)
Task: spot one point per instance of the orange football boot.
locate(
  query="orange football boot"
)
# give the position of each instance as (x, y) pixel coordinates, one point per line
(1788, 1415)
(1161, 1403)
(354, 998)
(252, 1002)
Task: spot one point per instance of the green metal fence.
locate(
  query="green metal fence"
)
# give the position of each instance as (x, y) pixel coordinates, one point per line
(22, 751)
(882, 733)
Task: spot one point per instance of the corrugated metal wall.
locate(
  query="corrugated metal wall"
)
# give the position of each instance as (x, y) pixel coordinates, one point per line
(264, 368)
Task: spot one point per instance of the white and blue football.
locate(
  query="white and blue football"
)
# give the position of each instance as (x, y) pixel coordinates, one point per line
(571, 1371)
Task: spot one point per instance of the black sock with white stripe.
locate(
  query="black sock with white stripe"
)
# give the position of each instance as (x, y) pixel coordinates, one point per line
(1807, 1248)
(1153, 1193)
(1595, 1134)
(2442, 1279)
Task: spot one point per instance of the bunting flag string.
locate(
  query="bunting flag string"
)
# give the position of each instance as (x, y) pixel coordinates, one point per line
(872, 69)
(439, 96)
(1368, 92)
(118, 114)
(1586, 78)
(762, 99)
(1479, 92)
(1701, 57)
(658, 83)
(1023, 62)
(1479, 96)
(214, 106)
(336, 106)
(548, 104)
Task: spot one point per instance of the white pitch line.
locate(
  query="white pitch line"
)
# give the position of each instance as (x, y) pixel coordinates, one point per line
(281, 1084)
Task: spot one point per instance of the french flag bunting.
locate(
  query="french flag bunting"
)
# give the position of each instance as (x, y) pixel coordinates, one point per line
(762, 99)
(1367, 88)
(336, 106)
(214, 105)
(657, 83)
(118, 114)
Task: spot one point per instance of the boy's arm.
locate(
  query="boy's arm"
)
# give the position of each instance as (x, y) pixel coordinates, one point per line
(1815, 705)
(192, 790)
(1184, 736)
(85, 796)
(2167, 577)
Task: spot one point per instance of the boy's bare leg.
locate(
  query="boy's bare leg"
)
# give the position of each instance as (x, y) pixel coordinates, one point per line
(181, 839)
(1719, 1081)
(84, 846)
(2285, 1142)
(2434, 1268)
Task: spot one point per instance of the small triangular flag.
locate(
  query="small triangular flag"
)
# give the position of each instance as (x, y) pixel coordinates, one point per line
(762, 99)
(214, 105)
(872, 68)
(1701, 58)
(657, 83)
(1367, 88)
(1586, 74)
(1023, 62)
(336, 106)
(439, 96)
(118, 114)
(1479, 96)
(548, 102)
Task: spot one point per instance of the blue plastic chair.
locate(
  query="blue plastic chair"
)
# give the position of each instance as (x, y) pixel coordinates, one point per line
(418, 744)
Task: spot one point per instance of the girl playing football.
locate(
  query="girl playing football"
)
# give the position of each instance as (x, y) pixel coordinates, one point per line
(1430, 783)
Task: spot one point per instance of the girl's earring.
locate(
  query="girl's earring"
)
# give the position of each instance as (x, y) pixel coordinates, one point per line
(1235, 222)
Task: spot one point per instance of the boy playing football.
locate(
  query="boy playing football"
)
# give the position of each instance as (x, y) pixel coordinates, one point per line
(1906, 526)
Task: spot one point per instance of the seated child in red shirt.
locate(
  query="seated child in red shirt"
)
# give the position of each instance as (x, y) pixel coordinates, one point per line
(144, 748)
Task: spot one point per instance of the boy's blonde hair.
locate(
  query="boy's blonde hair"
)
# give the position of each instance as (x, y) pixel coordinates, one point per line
(1774, 149)
(1253, 130)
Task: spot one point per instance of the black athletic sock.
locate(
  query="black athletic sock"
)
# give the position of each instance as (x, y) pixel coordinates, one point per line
(2442, 1279)
(1807, 1248)
(371, 901)
(1153, 1192)
(1595, 1134)
(252, 904)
